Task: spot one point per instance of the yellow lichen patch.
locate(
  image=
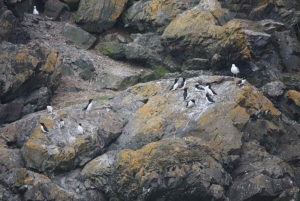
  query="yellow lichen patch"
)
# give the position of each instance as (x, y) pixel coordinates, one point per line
(237, 113)
(62, 113)
(22, 56)
(5, 55)
(126, 99)
(5, 24)
(294, 95)
(51, 61)
(147, 90)
(119, 5)
(261, 3)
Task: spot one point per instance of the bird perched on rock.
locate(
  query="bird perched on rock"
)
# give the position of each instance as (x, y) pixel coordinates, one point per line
(61, 123)
(80, 129)
(183, 83)
(175, 85)
(35, 11)
(209, 90)
(199, 88)
(241, 82)
(190, 103)
(89, 105)
(209, 99)
(49, 108)
(185, 93)
(235, 70)
(44, 128)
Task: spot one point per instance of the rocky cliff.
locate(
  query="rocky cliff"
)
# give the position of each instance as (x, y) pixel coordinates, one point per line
(142, 142)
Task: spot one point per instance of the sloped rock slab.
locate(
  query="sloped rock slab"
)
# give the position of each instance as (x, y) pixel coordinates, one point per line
(78, 36)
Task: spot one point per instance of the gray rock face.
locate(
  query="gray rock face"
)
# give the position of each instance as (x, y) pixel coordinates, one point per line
(29, 78)
(78, 36)
(54, 9)
(274, 89)
(98, 16)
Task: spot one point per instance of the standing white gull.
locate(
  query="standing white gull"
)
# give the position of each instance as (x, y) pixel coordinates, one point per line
(235, 70)
(35, 11)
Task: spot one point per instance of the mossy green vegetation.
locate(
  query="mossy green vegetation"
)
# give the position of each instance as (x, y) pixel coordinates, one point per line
(159, 72)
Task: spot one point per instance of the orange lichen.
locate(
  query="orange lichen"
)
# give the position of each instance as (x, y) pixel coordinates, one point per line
(147, 90)
(262, 3)
(22, 56)
(294, 95)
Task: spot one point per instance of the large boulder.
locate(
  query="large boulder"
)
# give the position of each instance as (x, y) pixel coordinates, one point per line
(154, 15)
(55, 9)
(98, 16)
(28, 78)
(165, 148)
(77, 36)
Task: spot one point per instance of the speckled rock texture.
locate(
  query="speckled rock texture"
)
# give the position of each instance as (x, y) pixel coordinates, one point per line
(98, 16)
(29, 76)
(145, 144)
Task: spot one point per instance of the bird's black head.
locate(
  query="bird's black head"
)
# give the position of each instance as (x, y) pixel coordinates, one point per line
(90, 100)
(61, 119)
(183, 78)
(185, 89)
(196, 85)
(193, 100)
(79, 124)
(207, 84)
(176, 79)
(42, 124)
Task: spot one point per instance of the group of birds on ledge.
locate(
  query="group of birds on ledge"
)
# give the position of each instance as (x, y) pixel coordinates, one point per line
(207, 89)
(209, 92)
(62, 122)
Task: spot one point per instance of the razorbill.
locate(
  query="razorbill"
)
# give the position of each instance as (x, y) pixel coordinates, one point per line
(241, 82)
(209, 99)
(190, 103)
(209, 90)
(175, 85)
(49, 108)
(198, 87)
(61, 123)
(44, 128)
(183, 83)
(234, 69)
(80, 129)
(89, 105)
(185, 93)
(35, 11)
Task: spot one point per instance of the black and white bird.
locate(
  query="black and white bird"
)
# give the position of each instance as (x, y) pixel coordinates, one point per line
(259, 114)
(175, 85)
(183, 83)
(209, 99)
(234, 69)
(241, 82)
(61, 123)
(184, 93)
(35, 11)
(89, 105)
(190, 103)
(44, 128)
(199, 88)
(80, 129)
(209, 90)
(49, 108)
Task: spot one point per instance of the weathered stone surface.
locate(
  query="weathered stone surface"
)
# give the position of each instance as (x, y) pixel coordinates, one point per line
(294, 95)
(73, 4)
(274, 89)
(148, 172)
(98, 16)
(78, 36)
(110, 80)
(64, 149)
(55, 9)
(142, 48)
(8, 22)
(30, 76)
(196, 64)
(154, 15)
